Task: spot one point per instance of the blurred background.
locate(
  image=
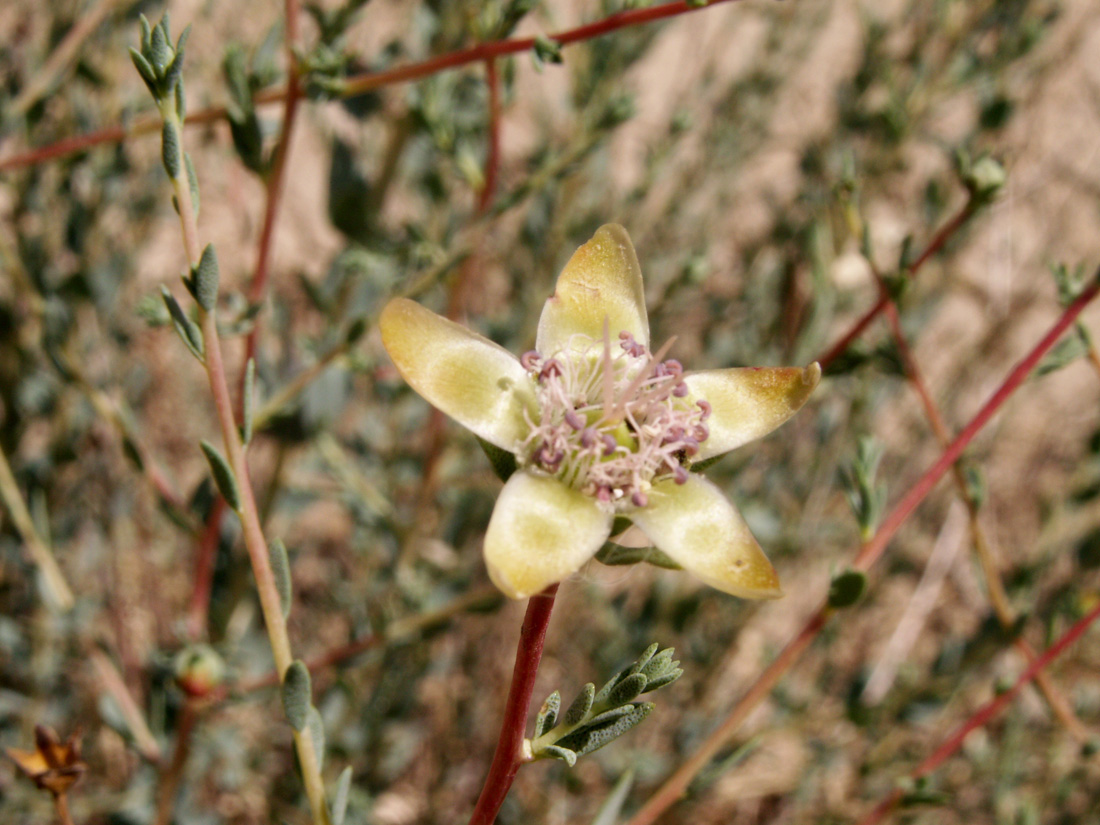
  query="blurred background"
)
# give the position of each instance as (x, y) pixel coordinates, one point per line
(769, 160)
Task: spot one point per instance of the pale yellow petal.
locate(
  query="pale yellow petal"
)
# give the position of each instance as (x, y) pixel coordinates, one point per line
(601, 281)
(698, 528)
(747, 403)
(477, 383)
(541, 532)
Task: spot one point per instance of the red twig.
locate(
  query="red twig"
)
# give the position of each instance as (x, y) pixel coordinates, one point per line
(509, 752)
(984, 714)
(871, 551)
(676, 785)
(206, 553)
(370, 80)
(275, 180)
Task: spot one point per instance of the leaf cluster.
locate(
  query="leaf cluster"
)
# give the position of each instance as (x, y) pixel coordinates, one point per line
(598, 717)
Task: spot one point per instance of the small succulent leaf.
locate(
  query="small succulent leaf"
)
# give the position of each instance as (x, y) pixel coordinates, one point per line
(541, 531)
(159, 50)
(658, 664)
(748, 402)
(548, 714)
(627, 689)
(590, 740)
(663, 680)
(581, 706)
(316, 727)
(223, 475)
(181, 101)
(557, 752)
(696, 525)
(605, 691)
(480, 385)
(602, 720)
(280, 569)
(340, 799)
(181, 42)
(193, 183)
(297, 693)
(204, 279)
(170, 149)
(642, 660)
(248, 400)
(146, 33)
(847, 588)
(144, 68)
(188, 331)
(601, 284)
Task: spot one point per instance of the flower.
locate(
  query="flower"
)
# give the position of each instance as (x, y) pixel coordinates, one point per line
(53, 766)
(601, 427)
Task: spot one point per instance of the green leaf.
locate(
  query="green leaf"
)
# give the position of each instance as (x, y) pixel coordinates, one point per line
(340, 800)
(205, 276)
(643, 660)
(223, 476)
(665, 679)
(247, 399)
(658, 665)
(592, 739)
(297, 694)
(581, 705)
(280, 569)
(187, 329)
(847, 588)
(548, 714)
(564, 754)
(144, 68)
(170, 149)
(192, 183)
(545, 51)
(627, 689)
(615, 555)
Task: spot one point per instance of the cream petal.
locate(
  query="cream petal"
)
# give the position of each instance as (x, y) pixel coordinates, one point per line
(748, 402)
(477, 383)
(601, 281)
(541, 531)
(698, 528)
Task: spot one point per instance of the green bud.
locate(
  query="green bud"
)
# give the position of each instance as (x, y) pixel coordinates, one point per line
(847, 588)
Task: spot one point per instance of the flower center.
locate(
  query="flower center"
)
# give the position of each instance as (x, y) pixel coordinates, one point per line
(611, 424)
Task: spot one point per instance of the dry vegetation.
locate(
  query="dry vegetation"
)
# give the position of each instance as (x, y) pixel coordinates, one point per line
(748, 148)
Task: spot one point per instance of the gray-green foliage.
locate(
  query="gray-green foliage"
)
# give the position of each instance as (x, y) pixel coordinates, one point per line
(598, 717)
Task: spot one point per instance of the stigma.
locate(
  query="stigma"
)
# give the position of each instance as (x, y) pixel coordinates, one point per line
(612, 420)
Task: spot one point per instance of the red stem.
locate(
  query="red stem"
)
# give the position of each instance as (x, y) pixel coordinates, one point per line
(509, 752)
(871, 551)
(207, 551)
(260, 276)
(985, 713)
(370, 80)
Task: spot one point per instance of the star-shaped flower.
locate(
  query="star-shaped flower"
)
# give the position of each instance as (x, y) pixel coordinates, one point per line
(601, 428)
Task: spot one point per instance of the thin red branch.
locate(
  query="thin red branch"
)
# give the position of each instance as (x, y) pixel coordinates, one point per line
(871, 551)
(984, 714)
(198, 609)
(509, 752)
(677, 784)
(370, 80)
(292, 96)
